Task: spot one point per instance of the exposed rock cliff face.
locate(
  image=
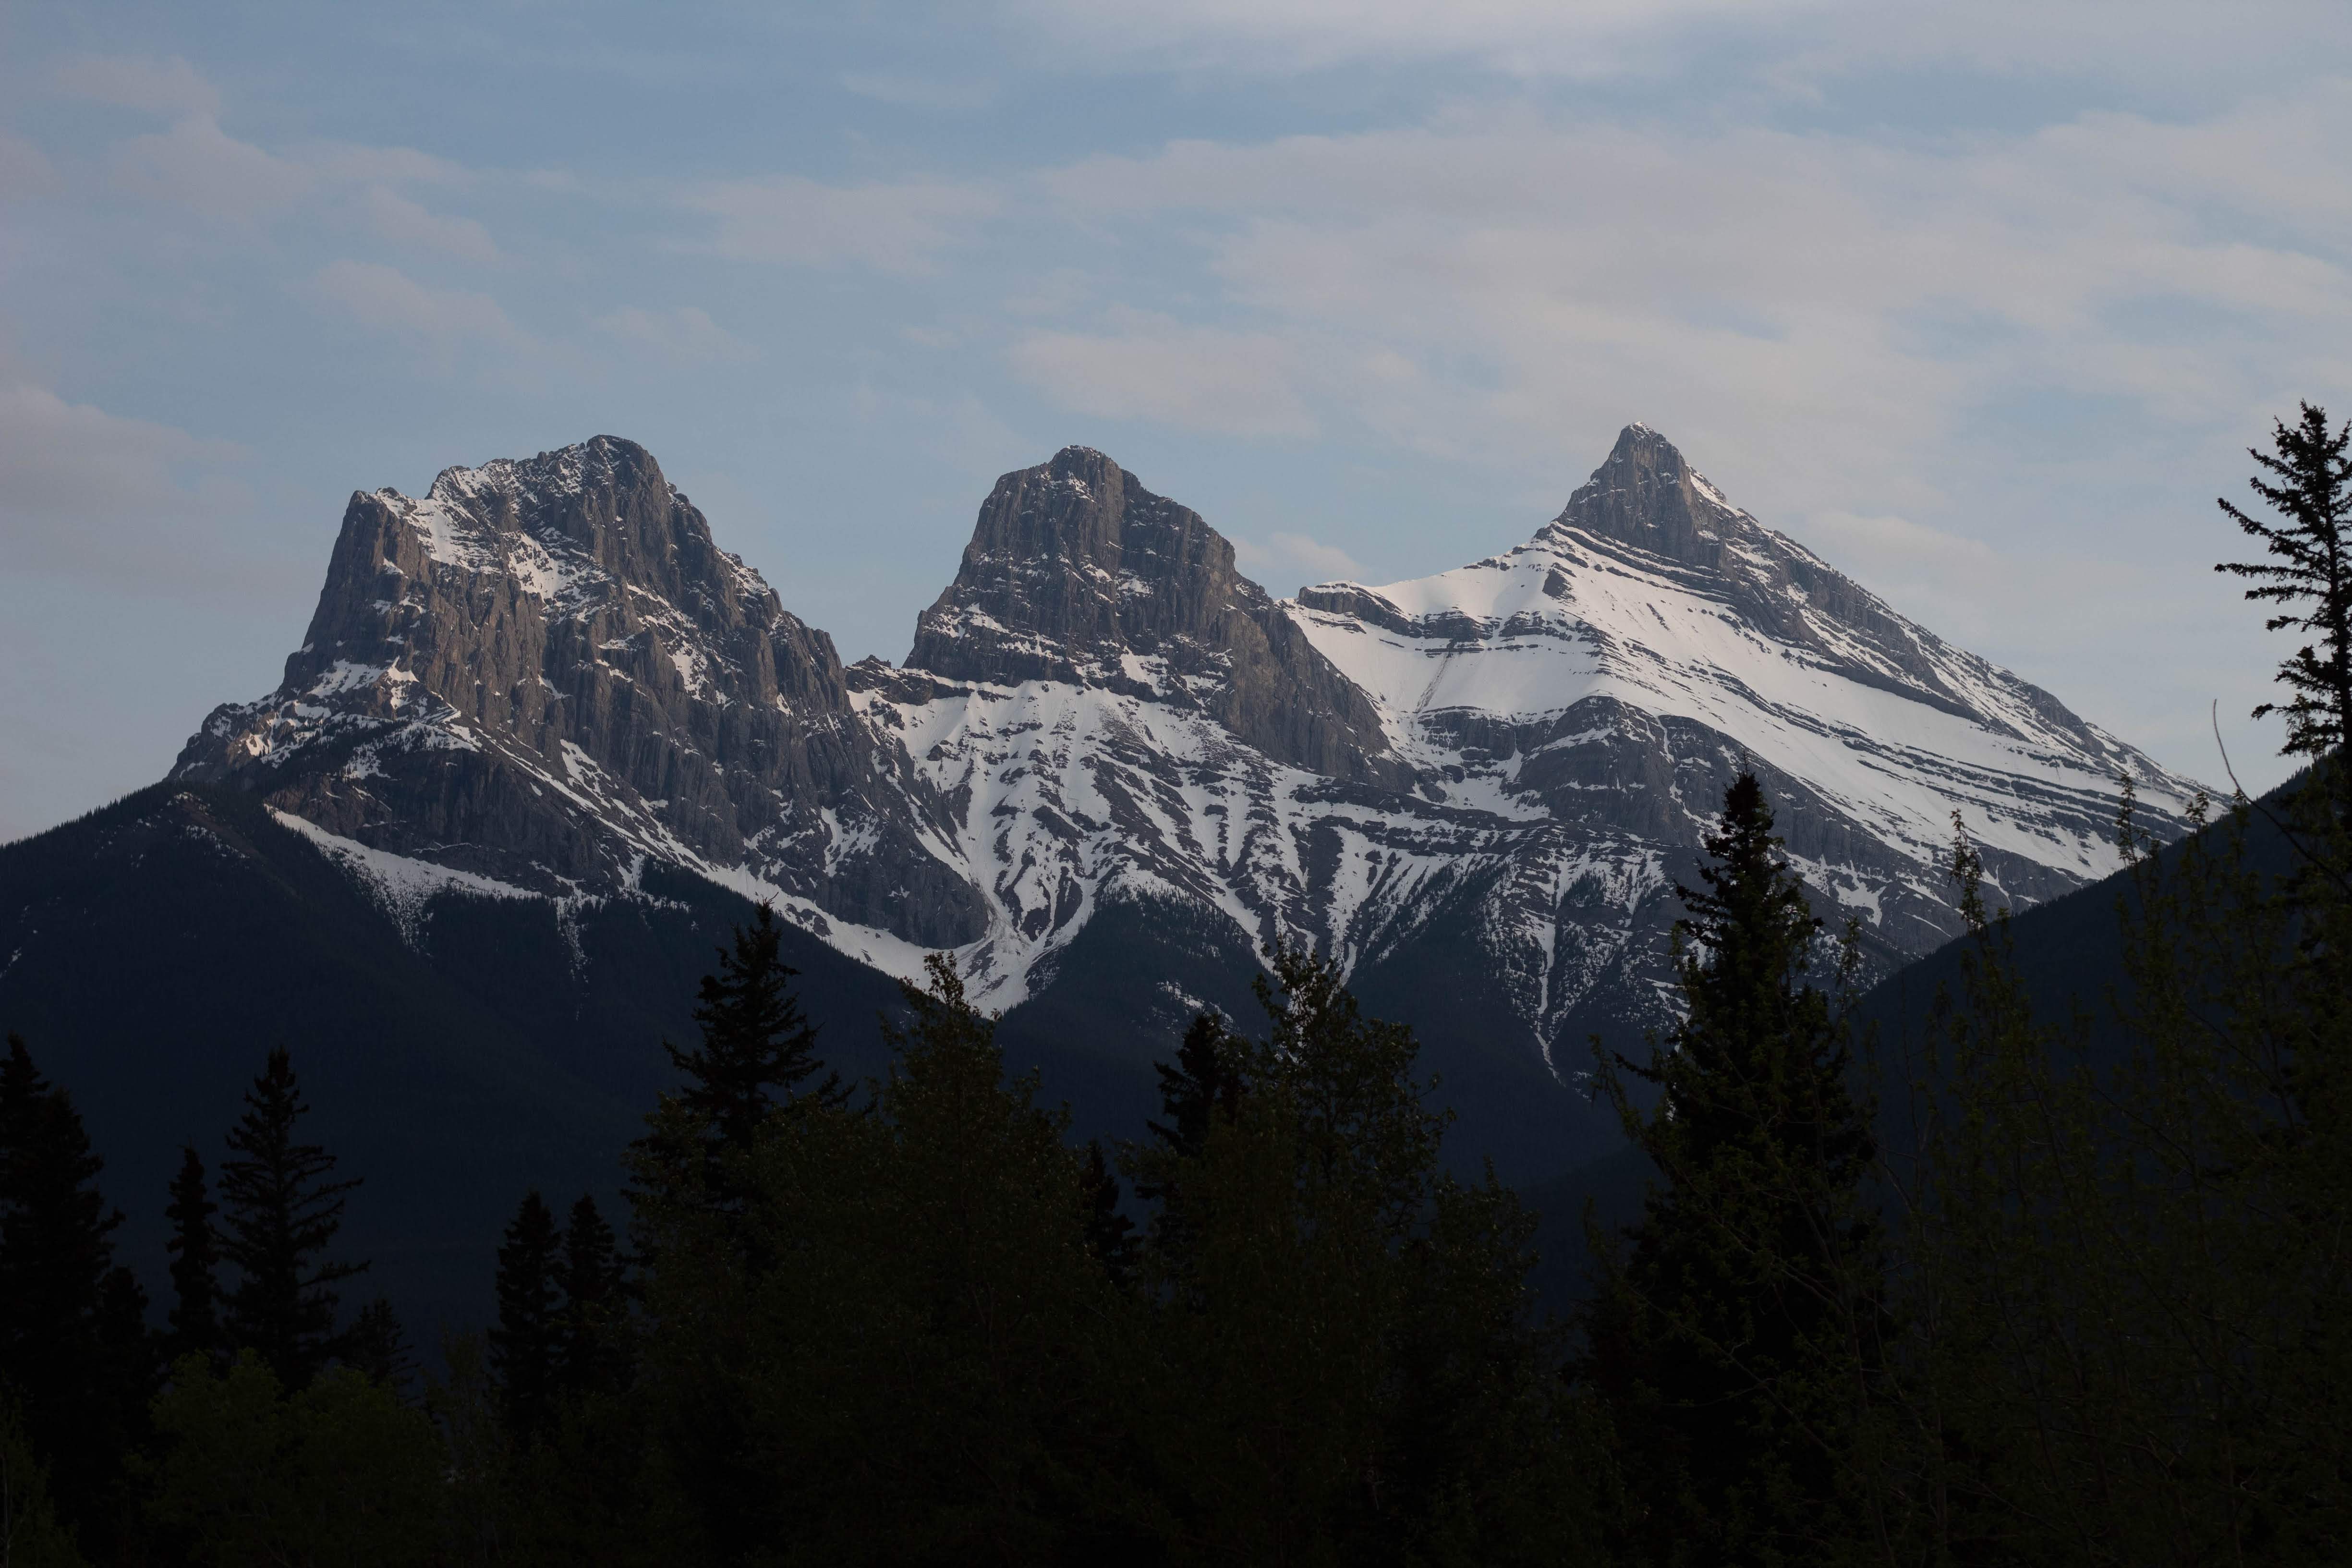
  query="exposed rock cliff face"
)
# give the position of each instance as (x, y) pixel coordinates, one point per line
(1078, 573)
(545, 672)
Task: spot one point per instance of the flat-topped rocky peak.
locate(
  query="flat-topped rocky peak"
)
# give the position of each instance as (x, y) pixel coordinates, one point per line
(585, 487)
(604, 502)
(1076, 572)
(1071, 564)
(505, 582)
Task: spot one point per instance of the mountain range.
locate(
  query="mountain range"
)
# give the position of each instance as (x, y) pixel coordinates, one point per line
(544, 741)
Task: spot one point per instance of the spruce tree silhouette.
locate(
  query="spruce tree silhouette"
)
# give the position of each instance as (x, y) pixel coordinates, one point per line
(592, 1342)
(1206, 1076)
(758, 1049)
(377, 1347)
(74, 1355)
(282, 1217)
(1110, 1234)
(1205, 1080)
(195, 1247)
(2309, 574)
(1723, 1344)
(523, 1348)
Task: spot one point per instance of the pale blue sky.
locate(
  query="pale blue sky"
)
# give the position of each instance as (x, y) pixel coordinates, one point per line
(1981, 301)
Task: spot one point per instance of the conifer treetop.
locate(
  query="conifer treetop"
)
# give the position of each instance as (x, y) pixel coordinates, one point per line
(2309, 575)
(282, 1216)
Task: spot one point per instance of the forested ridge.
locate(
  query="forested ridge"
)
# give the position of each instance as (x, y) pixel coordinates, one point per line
(2014, 1289)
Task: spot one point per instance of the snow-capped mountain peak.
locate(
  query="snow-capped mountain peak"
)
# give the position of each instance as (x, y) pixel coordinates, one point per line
(1652, 605)
(1108, 752)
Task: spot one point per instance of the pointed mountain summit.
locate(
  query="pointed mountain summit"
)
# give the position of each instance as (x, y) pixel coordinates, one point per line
(1643, 494)
(1645, 498)
(1618, 668)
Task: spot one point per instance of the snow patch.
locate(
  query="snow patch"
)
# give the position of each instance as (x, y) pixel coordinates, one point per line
(404, 888)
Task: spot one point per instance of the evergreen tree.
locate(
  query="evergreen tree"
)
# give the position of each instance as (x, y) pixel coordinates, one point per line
(592, 1349)
(889, 1354)
(377, 1348)
(282, 1214)
(2309, 575)
(1340, 1362)
(73, 1347)
(31, 1535)
(1726, 1345)
(1206, 1077)
(195, 1247)
(1203, 1085)
(1110, 1234)
(524, 1346)
(758, 1049)
(341, 1472)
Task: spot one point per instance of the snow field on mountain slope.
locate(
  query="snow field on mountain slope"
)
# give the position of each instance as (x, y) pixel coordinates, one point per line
(597, 794)
(402, 886)
(1071, 800)
(1898, 765)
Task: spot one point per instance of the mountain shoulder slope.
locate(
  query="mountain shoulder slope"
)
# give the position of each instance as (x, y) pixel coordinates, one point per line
(457, 1048)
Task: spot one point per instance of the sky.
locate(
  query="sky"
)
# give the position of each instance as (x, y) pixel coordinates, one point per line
(1984, 303)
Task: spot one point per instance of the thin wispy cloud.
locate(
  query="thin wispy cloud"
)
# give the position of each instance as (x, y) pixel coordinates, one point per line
(904, 227)
(25, 169)
(1195, 378)
(98, 497)
(404, 222)
(946, 95)
(686, 335)
(1867, 297)
(439, 321)
(172, 88)
(1295, 555)
(1517, 37)
(1786, 49)
(197, 165)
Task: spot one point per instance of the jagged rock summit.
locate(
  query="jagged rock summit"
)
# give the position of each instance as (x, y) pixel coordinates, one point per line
(543, 673)
(1078, 573)
(1114, 768)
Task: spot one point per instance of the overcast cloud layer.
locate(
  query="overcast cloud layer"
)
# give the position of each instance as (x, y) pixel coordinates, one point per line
(1983, 302)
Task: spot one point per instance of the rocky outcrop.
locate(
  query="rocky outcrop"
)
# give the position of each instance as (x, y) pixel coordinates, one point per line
(1646, 498)
(1075, 573)
(546, 671)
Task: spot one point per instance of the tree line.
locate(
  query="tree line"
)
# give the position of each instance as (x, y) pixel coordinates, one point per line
(2012, 1292)
(92, 1396)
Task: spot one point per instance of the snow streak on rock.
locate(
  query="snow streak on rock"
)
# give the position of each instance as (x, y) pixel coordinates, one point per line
(1577, 674)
